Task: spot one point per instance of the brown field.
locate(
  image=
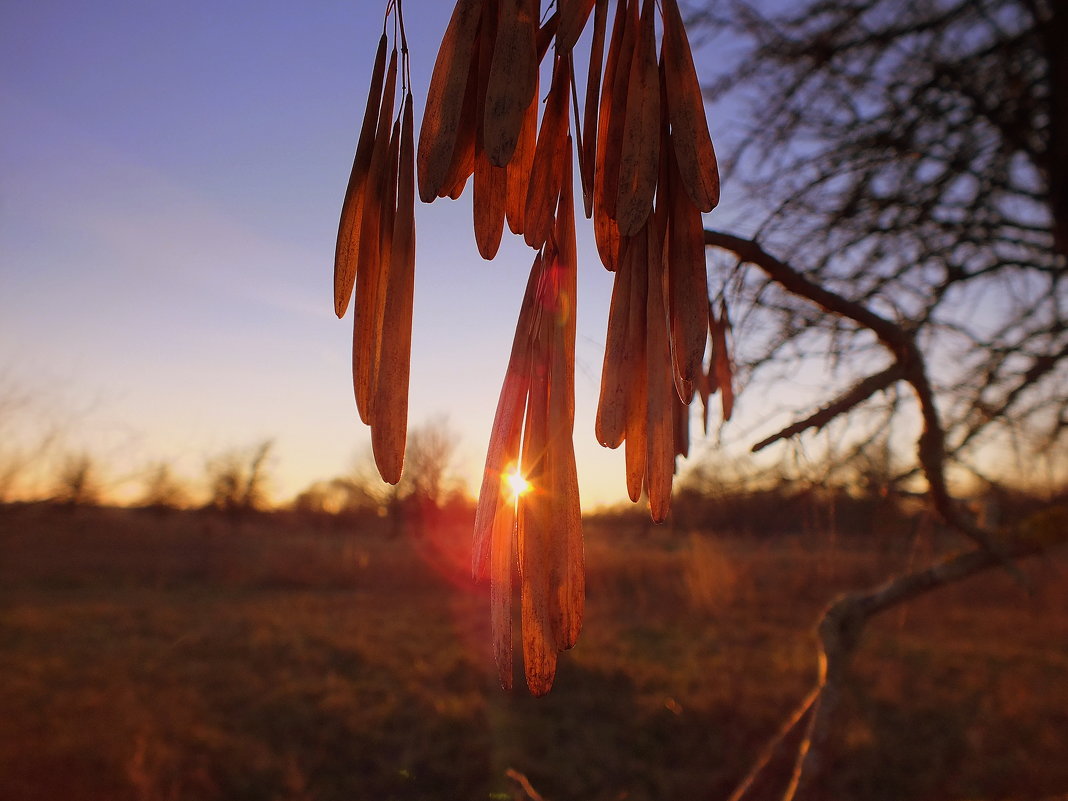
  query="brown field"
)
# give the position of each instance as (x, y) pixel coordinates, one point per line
(186, 657)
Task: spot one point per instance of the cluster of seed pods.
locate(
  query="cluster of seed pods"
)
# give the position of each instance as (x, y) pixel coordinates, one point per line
(647, 171)
(375, 254)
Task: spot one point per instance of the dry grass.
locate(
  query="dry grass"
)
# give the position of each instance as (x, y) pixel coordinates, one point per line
(183, 658)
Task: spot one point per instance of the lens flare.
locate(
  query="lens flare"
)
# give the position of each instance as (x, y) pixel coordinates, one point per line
(517, 485)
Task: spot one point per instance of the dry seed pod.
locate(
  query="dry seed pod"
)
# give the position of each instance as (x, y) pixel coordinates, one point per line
(588, 156)
(567, 271)
(639, 155)
(367, 318)
(563, 480)
(721, 357)
(501, 561)
(544, 188)
(536, 524)
(444, 99)
(509, 413)
(519, 169)
(686, 110)
(660, 439)
(573, 16)
(391, 400)
(605, 230)
(346, 253)
(689, 289)
(624, 42)
(462, 165)
(682, 428)
(491, 186)
(512, 79)
(636, 382)
(611, 422)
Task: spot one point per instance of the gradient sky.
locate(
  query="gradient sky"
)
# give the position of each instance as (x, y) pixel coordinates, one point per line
(171, 176)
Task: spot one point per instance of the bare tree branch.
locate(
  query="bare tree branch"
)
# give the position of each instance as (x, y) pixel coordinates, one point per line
(841, 405)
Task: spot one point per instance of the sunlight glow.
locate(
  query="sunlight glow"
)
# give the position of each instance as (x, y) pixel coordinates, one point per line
(517, 484)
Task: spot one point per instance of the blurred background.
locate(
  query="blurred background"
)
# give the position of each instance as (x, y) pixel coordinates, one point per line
(206, 591)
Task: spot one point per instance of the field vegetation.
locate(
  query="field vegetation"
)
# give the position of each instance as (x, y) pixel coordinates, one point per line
(154, 654)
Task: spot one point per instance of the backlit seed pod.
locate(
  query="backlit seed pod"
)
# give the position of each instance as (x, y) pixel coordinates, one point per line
(389, 433)
(545, 173)
(639, 154)
(689, 289)
(511, 80)
(444, 98)
(573, 16)
(346, 254)
(491, 181)
(686, 110)
(625, 31)
(367, 321)
(588, 156)
(722, 360)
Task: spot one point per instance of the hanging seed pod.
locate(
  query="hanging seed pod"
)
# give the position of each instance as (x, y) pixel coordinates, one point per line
(721, 362)
(590, 132)
(686, 110)
(639, 156)
(346, 254)
(544, 189)
(519, 168)
(611, 423)
(625, 31)
(660, 439)
(636, 249)
(462, 165)
(682, 428)
(689, 289)
(512, 78)
(389, 433)
(573, 16)
(509, 414)
(444, 99)
(609, 137)
(535, 532)
(491, 181)
(567, 256)
(367, 320)
(563, 480)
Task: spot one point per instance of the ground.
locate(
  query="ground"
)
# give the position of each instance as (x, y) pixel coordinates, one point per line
(182, 656)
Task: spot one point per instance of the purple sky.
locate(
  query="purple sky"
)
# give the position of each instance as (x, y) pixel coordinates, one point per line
(170, 181)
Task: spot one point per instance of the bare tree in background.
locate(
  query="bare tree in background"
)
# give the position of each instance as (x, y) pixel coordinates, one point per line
(78, 481)
(26, 442)
(163, 490)
(909, 163)
(908, 159)
(237, 479)
(427, 478)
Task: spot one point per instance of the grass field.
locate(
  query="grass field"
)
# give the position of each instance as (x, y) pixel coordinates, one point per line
(183, 657)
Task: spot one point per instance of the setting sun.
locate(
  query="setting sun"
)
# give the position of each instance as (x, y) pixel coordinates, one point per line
(517, 484)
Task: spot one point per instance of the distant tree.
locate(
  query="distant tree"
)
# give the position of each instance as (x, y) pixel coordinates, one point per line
(162, 489)
(26, 443)
(237, 479)
(428, 479)
(353, 496)
(78, 481)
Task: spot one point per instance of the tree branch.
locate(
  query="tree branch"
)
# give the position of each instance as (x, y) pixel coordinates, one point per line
(841, 405)
(908, 359)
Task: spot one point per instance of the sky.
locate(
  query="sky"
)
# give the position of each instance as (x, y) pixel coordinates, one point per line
(171, 176)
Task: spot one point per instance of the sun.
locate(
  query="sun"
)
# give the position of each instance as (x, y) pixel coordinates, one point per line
(517, 484)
